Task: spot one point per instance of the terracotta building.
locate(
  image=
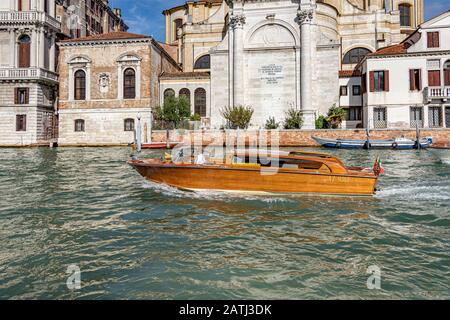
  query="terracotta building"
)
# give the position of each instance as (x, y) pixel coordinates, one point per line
(106, 82)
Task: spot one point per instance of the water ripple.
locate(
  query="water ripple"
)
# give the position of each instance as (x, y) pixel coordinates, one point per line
(138, 240)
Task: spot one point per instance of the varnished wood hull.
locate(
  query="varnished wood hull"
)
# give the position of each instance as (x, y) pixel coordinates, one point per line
(265, 180)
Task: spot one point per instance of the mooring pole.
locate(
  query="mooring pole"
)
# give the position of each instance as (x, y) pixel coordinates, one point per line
(138, 134)
(418, 146)
(167, 139)
(367, 139)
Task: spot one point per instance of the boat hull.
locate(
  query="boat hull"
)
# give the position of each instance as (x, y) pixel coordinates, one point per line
(374, 144)
(255, 180)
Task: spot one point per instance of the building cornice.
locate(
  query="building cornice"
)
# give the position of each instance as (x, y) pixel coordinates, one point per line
(410, 54)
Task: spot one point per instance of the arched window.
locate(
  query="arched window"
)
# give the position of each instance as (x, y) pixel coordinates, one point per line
(204, 62)
(24, 51)
(405, 14)
(80, 85)
(129, 84)
(447, 73)
(168, 93)
(79, 125)
(355, 55)
(200, 102)
(178, 23)
(128, 124)
(186, 93)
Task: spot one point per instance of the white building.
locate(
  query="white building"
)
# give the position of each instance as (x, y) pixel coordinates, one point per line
(273, 55)
(409, 84)
(27, 71)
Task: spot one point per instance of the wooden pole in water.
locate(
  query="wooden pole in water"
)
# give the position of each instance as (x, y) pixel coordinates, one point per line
(138, 134)
(368, 139)
(417, 137)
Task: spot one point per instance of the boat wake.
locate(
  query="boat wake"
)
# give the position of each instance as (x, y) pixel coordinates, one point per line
(416, 192)
(213, 195)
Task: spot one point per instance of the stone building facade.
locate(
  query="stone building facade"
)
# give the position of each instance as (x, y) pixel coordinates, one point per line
(278, 54)
(29, 31)
(106, 82)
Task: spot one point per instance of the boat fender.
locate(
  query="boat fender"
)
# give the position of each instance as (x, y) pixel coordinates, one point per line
(395, 145)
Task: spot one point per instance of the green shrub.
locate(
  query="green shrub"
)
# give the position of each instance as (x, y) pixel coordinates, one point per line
(293, 119)
(196, 117)
(271, 124)
(321, 122)
(237, 117)
(335, 116)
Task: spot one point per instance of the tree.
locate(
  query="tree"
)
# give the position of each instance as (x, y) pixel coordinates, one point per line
(335, 116)
(174, 111)
(237, 117)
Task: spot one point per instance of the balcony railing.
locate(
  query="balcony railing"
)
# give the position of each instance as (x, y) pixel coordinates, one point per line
(28, 74)
(437, 93)
(28, 17)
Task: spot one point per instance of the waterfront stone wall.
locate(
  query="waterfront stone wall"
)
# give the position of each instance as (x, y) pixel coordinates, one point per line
(296, 138)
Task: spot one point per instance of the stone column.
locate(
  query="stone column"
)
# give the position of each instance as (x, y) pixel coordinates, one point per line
(52, 53)
(305, 19)
(42, 49)
(34, 48)
(13, 47)
(230, 64)
(237, 23)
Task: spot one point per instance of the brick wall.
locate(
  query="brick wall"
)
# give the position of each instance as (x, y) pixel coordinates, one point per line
(298, 138)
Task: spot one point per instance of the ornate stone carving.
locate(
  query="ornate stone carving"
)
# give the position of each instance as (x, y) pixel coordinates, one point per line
(305, 16)
(237, 21)
(103, 82)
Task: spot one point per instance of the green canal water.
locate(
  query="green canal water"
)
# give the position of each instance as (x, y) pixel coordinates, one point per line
(136, 240)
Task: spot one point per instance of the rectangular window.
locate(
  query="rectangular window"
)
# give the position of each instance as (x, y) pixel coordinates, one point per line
(434, 78)
(433, 39)
(435, 117)
(380, 118)
(354, 114)
(343, 91)
(447, 117)
(21, 122)
(378, 80)
(357, 90)
(415, 80)
(21, 96)
(416, 117)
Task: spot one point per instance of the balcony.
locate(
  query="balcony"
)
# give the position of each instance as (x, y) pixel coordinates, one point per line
(28, 74)
(436, 93)
(28, 17)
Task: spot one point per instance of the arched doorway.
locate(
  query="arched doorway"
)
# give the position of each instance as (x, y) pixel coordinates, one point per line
(24, 51)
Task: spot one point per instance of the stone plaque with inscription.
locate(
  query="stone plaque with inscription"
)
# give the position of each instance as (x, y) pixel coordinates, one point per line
(271, 74)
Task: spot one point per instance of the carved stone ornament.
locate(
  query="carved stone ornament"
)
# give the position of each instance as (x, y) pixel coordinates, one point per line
(104, 82)
(305, 16)
(237, 21)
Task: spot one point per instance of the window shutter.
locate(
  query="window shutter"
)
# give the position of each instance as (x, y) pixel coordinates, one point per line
(372, 81)
(411, 80)
(27, 95)
(386, 80)
(429, 40)
(447, 77)
(420, 79)
(16, 95)
(24, 123)
(436, 39)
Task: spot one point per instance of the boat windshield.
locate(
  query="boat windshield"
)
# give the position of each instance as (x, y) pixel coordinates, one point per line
(284, 163)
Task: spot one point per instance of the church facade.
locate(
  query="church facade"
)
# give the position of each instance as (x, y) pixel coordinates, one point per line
(278, 54)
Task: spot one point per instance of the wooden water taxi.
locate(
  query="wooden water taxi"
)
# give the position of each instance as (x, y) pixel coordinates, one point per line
(262, 172)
